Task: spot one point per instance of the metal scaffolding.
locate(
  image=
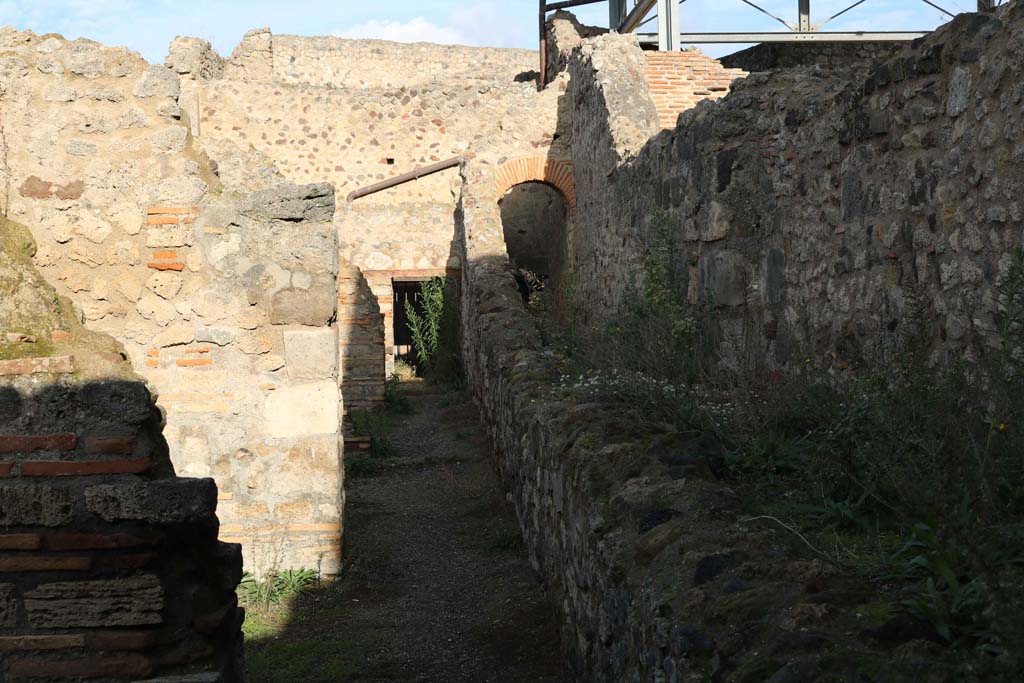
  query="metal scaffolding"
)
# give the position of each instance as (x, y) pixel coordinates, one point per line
(669, 14)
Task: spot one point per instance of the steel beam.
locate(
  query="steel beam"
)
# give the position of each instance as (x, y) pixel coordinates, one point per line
(637, 15)
(616, 12)
(668, 26)
(542, 16)
(552, 6)
(805, 15)
(789, 37)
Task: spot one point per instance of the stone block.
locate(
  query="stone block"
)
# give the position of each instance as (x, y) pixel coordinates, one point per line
(292, 203)
(133, 601)
(158, 81)
(122, 402)
(311, 354)
(170, 139)
(175, 335)
(156, 310)
(313, 307)
(164, 236)
(8, 605)
(165, 284)
(167, 501)
(29, 504)
(723, 279)
(302, 410)
(221, 336)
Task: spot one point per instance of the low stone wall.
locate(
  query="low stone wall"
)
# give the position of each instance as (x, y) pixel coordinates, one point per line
(817, 210)
(109, 565)
(831, 56)
(656, 574)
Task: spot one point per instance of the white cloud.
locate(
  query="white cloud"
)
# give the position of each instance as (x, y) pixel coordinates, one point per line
(415, 30)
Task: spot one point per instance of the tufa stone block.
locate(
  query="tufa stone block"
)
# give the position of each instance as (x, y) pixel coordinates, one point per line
(133, 601)
(313, 307)
(158, 81)
(28, 504)
(311, 354)
(167, 501)
(302, 410)
(8, 605)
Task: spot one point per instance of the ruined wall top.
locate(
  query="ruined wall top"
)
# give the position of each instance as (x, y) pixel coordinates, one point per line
(355, 64)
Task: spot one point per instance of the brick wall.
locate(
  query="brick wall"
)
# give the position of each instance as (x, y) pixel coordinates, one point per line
(109, 564)
(679, 80)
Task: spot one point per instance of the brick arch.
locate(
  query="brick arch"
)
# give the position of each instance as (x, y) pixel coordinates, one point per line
(558, 174)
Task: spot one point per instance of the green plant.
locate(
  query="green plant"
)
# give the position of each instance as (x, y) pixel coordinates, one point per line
(426, 327)
(395, 400)
(907, 472)
(436, 333)
(276, 587)
(374, 424)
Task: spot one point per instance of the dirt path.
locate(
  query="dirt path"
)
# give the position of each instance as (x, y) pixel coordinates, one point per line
(436, 586)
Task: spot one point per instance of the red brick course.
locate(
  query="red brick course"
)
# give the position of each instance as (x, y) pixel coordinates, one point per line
(680, 80)
(82, 541)
(35, 563)
(62, 468)
(114, 666)
(44, 442)
(109, 445)
(31, 366)
(20, 542)
(157, 265)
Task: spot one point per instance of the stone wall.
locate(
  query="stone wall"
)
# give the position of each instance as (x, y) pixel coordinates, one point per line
(110, 566)
(354, 64)
(218, 288)
(657, 573)
(818, 210)
(305, 105)
(841, 56)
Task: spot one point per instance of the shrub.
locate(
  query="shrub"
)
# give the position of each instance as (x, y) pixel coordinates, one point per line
(436, 333)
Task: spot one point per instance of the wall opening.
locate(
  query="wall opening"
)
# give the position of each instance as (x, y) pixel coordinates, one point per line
(405, 291)
(534, 218)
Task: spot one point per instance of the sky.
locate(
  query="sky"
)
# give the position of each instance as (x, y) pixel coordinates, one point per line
(148, 26)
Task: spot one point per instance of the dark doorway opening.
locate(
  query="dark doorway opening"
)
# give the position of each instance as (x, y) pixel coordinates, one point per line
(406, 291)
(534, 219)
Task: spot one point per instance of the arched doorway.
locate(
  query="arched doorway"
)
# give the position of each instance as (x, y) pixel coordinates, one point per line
(534, 217)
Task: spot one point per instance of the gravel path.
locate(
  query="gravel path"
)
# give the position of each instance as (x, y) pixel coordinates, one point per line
(438, 584)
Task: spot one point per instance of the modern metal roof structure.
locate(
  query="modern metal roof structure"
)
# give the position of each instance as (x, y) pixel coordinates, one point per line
(671, 15)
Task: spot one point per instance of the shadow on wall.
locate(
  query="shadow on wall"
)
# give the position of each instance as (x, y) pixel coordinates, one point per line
(103, 545)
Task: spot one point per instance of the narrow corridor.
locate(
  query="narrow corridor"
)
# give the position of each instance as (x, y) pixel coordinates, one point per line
(436, 585)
